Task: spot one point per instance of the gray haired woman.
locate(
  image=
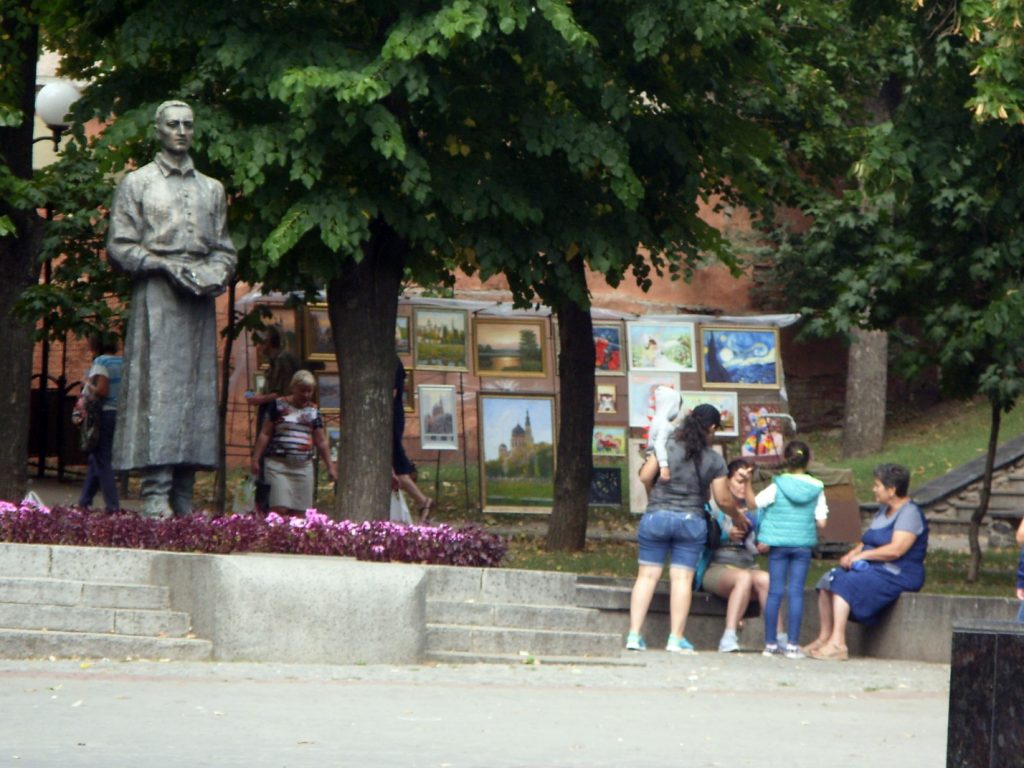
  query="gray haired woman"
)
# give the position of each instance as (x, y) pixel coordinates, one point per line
(292, 431)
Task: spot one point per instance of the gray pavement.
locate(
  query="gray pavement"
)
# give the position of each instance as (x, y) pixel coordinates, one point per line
(654, 709)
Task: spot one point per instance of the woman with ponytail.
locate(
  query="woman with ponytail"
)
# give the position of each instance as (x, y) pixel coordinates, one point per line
(674, 523)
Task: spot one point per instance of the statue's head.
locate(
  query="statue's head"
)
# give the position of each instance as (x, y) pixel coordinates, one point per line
(174, 126)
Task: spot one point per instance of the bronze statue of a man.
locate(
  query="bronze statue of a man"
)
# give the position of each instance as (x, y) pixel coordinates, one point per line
(168, 228)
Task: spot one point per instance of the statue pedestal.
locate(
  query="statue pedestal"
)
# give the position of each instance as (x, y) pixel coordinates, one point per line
(986, 695)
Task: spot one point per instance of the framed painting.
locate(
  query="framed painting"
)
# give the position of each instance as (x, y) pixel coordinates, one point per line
(740, 358)
(641, 395)
(439, 420)
(661, 346)
(606, 487)
(409, 394)
(727, 404)
(286, 321)
(258, 381)
(510, 347)
(517, 452)
(319, 336)
(763, 431)
(439, 340)
(607, 398)
(609, 441)
(402, 335)
(333, 438)
(609, 357)
(328, 389)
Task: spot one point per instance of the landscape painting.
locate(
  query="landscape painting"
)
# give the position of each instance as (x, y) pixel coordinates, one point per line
(736, 358)
(319, 336)
(661, 346)
(438, 418)
(517, 450)
(440, 340)
(727, 404)
(402, 335)
(328, 389)
(510, 347)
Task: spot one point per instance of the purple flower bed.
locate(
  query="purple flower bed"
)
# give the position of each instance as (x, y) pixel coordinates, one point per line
(314, 534)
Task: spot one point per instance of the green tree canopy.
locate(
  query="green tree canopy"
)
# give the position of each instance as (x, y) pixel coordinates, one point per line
(360, 141)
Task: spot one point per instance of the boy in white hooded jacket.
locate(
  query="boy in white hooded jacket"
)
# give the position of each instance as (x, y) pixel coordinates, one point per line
(667, 402)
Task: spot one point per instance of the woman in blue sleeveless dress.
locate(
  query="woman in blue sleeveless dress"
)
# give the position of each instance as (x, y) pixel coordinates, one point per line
(888, 562)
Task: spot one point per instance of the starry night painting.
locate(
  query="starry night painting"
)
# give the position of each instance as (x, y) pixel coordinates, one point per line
(741, 357)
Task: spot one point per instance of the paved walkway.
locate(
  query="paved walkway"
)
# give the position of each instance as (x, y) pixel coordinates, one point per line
(655, 710)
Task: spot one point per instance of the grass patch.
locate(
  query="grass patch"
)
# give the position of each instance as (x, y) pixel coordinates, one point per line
(929, 443)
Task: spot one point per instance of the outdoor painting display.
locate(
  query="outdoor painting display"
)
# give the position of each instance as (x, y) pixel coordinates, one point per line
(440, 340)
(732, 368)
(438, 418)
(740, 357)
(661, 346)
(517, 450)
(510, 347)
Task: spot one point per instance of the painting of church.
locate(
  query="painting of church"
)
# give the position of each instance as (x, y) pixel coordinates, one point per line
(518, 452)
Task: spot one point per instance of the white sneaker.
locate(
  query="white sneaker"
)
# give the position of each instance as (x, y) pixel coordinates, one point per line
(728, 644)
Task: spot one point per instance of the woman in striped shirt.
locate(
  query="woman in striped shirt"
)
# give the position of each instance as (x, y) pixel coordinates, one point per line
(293, 430)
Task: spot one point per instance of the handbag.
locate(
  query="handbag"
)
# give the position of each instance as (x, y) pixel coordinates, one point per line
(714, 539)
(89, 428)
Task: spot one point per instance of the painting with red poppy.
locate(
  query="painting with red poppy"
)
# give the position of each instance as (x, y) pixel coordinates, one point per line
(608, 352)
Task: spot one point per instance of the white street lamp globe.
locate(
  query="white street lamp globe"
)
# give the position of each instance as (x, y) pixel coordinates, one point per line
(53, 102)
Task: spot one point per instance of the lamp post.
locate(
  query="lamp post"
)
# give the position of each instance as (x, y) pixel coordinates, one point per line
(53, 101)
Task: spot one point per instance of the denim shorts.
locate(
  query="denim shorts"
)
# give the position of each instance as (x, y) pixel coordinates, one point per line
(662, 531)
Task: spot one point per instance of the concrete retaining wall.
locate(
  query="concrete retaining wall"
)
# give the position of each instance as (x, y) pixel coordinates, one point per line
(256, 607)
(294, 608)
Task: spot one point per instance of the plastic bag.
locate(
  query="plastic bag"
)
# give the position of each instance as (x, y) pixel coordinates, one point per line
(89, 428)
(399, 509)
(245, 496)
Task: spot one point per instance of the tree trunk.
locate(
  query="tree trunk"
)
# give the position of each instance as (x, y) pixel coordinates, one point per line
(866, 380)
(220, 493)
(567, 529)
(363, 304)
(17, 272)
(986, 492)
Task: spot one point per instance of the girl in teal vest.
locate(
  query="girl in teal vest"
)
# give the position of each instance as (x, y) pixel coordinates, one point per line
(792, 509)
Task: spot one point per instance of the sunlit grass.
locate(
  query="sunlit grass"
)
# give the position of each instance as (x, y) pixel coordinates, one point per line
(930, 443)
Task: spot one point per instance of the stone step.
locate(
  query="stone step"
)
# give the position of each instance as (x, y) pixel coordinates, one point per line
(79, 618)
(997, 507)
(456, 657)
(31, 644)
(552, 617)
(506, 640)
(47, 591)
(499, 585)
(102, 564)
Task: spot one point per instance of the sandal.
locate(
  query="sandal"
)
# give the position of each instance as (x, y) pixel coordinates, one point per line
(424, 510)
(830, 652)
(813, 646)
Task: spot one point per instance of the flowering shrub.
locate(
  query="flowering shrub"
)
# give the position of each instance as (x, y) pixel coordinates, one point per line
(314, 534)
